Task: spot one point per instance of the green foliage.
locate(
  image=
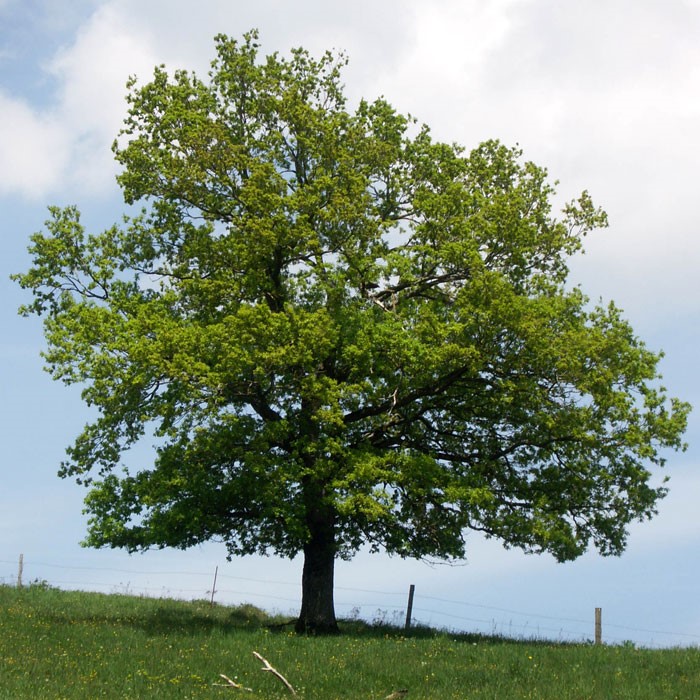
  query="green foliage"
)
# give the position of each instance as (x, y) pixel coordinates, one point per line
(68, 645)
(337, 327)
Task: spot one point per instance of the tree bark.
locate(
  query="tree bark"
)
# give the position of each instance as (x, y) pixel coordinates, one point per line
(317, 614)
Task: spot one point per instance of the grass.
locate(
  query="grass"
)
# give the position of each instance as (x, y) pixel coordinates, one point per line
(70, 645)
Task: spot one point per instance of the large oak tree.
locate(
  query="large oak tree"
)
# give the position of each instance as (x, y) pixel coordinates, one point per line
(340, 332)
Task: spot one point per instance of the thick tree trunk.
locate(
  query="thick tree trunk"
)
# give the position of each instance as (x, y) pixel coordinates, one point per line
(317, 614)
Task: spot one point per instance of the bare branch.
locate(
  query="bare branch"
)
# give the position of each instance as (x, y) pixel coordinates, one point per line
(274, 672)
(232, 684)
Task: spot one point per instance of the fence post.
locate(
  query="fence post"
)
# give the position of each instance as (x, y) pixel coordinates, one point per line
(409, 607)
(213, 588)
(20, 570)
(599, 625)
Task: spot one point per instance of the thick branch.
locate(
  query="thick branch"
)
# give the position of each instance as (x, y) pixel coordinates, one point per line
(396, 402)
(419, 286)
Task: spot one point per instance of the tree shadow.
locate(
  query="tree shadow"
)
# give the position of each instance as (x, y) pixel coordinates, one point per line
(165, 616)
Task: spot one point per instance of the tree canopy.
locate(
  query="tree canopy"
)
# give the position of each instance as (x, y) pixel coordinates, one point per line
(340, 332)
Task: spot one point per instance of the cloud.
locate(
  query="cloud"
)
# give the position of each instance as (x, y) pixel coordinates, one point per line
(93, 72)
(34, 149)
(376, 36)
(607, 96)
(451, 45)
(65, 145)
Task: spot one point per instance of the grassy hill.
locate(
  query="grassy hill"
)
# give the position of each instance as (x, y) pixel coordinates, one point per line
(72, 645)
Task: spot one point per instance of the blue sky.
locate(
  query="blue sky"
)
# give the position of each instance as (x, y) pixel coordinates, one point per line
(606, 95)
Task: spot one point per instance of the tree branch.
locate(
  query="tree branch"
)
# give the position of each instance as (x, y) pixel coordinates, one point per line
(395, 402)
(274, 672)
(231, 684)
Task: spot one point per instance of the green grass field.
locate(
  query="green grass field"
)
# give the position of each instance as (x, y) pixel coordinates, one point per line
(58, 644)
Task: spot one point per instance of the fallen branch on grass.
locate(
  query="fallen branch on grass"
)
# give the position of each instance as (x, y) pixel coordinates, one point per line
(232, 684)
(274, 672)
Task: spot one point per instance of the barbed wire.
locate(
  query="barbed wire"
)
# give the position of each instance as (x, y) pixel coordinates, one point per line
(354, 607)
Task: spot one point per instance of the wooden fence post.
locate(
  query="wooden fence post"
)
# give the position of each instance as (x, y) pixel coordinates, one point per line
(213, 588)
(20, 570)
(409, 607)
(599, 625)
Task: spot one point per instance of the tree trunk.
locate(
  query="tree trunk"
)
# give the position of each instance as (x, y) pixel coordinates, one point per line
(317, 614)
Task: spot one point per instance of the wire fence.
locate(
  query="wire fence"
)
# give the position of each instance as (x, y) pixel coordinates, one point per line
(372, 605)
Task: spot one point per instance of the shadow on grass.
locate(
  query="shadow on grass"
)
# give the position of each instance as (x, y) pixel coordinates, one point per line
(164, 616)
(359, 628)
(170, 620)
(174, 617)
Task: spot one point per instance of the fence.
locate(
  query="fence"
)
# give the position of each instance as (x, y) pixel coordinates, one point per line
(380, 606)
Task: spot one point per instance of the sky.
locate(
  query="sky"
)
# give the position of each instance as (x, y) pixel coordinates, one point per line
(604, 94)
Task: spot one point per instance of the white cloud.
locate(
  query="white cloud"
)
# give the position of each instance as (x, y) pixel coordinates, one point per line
(66, 145)
(606, 95)
(377, 36)
(34, 149)
(93, 73)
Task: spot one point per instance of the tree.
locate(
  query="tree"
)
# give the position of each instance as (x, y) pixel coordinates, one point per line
(340, 332)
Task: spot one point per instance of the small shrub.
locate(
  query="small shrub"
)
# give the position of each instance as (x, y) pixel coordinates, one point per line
(41, 584)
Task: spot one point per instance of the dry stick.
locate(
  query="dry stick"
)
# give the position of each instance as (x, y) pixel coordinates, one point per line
(232, 684)
(274, 672)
